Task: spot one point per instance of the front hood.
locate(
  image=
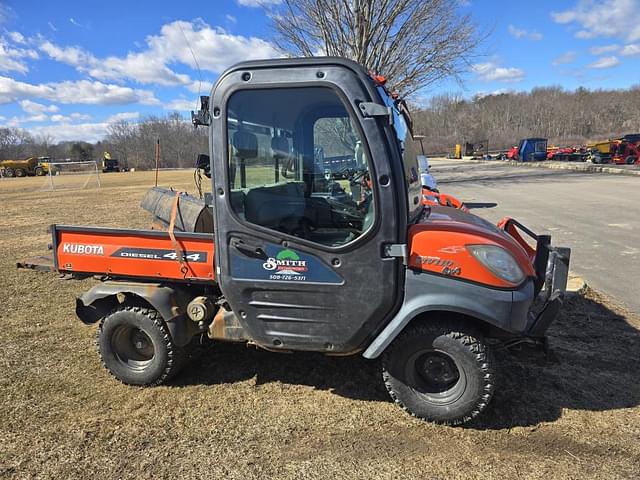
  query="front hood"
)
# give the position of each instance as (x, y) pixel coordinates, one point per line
(448, 219)
(446, 216)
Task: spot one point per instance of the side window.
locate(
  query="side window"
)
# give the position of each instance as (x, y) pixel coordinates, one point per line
(298, 165)
(409, 155)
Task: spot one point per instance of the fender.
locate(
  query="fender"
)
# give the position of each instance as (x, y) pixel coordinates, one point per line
(168, 301)
(506, 310)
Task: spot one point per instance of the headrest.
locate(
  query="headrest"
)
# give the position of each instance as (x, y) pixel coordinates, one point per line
(280, 146)
(246, 144)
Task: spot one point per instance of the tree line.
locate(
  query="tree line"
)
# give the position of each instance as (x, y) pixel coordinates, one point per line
(133, 143)
(564, 117)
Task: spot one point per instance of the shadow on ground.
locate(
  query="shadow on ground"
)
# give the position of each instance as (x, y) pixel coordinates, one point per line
(594, 366)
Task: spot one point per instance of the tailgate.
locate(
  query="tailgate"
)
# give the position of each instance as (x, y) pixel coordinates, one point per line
(136, 254)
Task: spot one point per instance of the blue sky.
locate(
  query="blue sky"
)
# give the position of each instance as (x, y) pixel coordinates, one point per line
(68, 68)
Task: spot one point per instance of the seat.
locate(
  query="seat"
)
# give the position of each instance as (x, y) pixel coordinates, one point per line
(276, 205)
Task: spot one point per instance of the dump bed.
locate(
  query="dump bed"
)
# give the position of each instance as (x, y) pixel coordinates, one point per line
(130, 254)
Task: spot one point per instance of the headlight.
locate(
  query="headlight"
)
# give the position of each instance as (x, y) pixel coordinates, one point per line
(498, 261)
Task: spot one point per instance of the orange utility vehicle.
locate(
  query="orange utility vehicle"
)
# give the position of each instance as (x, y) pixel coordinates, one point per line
(305, 258)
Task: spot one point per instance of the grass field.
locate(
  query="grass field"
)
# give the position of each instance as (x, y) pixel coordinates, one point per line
(236, 412)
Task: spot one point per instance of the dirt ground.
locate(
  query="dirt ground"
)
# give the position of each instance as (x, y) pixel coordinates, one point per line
(236, 412)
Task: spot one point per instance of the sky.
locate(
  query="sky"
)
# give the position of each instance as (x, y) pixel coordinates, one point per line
(69, 68)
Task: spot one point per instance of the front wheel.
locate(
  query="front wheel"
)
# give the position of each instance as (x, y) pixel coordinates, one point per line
(440, 372)
(630, 160)
(135, 346)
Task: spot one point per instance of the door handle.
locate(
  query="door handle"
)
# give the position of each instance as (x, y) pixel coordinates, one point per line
(249, 250)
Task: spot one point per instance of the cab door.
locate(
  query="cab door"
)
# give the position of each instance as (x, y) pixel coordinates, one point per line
(306, 204)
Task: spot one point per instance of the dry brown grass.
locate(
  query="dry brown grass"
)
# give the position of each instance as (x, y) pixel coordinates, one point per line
(235, 412)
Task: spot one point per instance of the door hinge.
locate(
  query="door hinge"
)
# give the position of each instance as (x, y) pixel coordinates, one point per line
(397, 250)
(371, 109)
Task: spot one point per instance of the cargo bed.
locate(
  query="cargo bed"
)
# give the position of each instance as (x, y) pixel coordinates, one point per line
(128, 254)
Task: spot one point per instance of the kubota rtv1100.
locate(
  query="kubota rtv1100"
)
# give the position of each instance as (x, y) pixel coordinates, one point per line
(292, 253)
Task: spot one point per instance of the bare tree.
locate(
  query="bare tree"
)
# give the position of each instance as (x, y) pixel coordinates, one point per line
(414, 43)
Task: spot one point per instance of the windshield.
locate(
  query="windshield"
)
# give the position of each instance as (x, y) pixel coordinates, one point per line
(402, 128)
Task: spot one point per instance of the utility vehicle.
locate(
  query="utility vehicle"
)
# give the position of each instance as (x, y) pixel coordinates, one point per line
(288, 255)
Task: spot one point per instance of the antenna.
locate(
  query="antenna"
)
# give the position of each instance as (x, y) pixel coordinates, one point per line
(157, 159)
(194, 59)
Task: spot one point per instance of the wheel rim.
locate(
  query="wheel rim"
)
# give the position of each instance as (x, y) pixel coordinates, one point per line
(436, 376)
(132, 347)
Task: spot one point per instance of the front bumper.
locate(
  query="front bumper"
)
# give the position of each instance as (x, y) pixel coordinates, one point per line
(552, 270)
(549, 300)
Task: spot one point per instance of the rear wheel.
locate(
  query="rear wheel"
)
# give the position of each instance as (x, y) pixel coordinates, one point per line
(20, 172)
(439, 371)
(135, 346)
(630, 160)
(8, 172)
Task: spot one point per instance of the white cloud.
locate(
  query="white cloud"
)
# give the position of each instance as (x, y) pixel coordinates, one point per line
(258, 3)
(60, 118)
(140, 67)
(521, 33)
(566, 57)
(178, 42)
(88, 132)
(6, 13)
(118, 117)
(214, 48)
(82, 91)
(13, 59)
(631, 50)
(202, 87)
(605, 62)
(16, 121)
(78, 24)
(605, 18)
(17, 37)
(604, 49)
(52, 26)
(69, 118)
(33, 107)
(231, 19)
(491, 72)
(482, 94)
(182, 104)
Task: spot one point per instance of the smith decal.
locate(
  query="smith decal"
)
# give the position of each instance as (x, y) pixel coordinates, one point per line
(286, 265)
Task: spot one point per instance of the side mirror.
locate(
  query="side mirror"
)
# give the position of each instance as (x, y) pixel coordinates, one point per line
(204, 163)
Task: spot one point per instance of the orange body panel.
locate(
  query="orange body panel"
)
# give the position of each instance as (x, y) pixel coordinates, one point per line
(440, 247)
(432, 199)
(133, 253)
